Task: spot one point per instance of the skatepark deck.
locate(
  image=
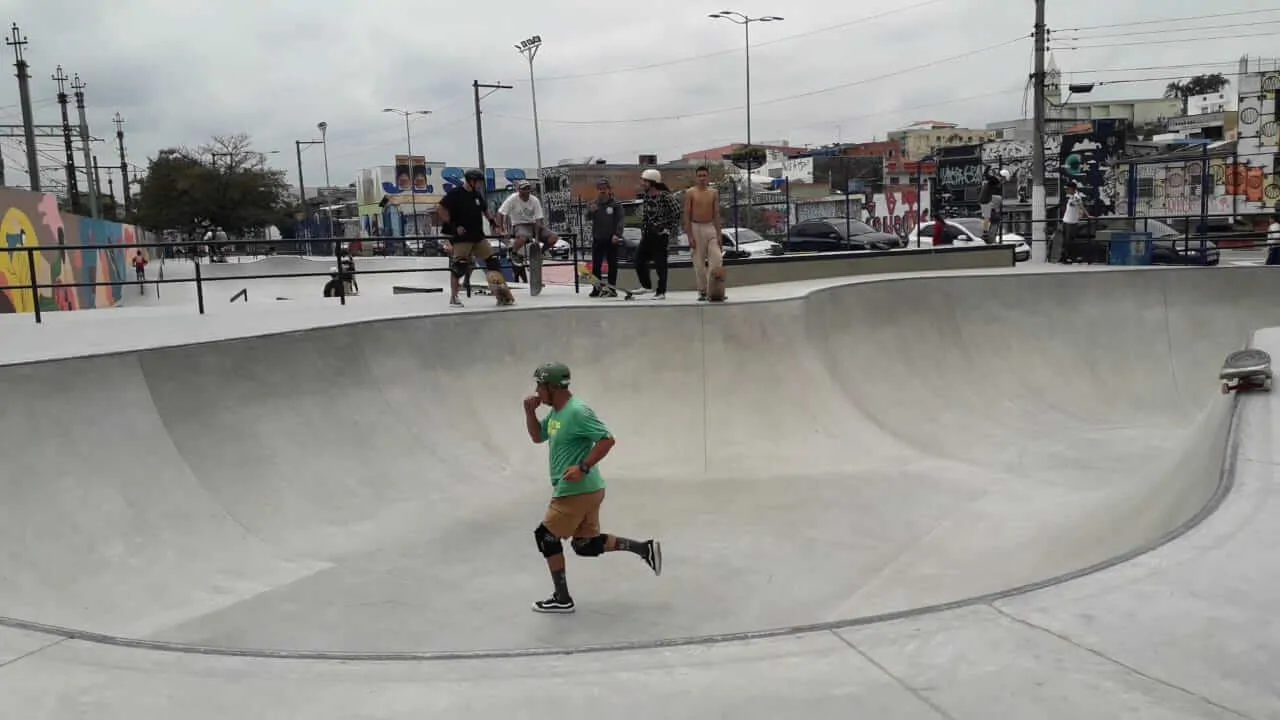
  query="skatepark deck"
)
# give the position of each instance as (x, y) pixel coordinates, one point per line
(827, 459)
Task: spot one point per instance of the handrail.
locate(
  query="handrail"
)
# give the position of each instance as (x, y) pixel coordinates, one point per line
(200, 279)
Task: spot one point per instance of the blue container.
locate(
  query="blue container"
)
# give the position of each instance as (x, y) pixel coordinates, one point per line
(1129, 248)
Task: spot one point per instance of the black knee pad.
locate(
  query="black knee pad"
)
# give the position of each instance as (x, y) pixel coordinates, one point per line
(589, 547)
(492, 263)
(548, 544)
(460, 267)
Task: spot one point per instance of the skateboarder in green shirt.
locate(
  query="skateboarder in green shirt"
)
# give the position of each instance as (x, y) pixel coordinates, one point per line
(577, 442)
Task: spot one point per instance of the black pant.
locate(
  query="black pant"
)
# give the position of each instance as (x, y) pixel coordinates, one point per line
(652, 249)
(603, 251)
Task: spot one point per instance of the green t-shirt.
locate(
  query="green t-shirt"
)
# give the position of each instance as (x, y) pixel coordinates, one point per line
(570, 433)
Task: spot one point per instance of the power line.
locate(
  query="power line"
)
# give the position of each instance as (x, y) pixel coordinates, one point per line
(1164, 31)
(737, 50)
(1166, 42)
(797, 96)
(1137, 23)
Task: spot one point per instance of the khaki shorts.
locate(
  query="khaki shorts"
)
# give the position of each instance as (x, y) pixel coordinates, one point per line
(575, 516)
(464, 250)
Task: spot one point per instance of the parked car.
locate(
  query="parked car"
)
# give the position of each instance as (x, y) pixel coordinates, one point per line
(963, 232)
(738, 243)
(1168, 246)
(838, 234)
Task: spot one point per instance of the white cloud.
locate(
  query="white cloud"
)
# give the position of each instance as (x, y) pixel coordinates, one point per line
(181, 71)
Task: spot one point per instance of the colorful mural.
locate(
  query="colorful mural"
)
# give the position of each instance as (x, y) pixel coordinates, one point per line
(32, 220)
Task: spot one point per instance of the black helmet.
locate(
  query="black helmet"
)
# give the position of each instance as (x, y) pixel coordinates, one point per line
(473, 175)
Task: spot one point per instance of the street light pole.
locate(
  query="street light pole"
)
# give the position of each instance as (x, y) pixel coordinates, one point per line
(324, 145)
(529, 48)
(745, 21)
(408, 137)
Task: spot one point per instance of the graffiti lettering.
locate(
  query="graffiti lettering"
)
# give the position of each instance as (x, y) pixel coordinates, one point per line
(960, 175)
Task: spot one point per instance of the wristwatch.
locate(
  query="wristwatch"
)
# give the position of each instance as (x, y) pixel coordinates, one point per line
(585, 468)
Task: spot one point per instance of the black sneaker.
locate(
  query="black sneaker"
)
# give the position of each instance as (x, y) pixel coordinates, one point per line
(653, 556)
(554, 604)
(702, 297)
(595, 292)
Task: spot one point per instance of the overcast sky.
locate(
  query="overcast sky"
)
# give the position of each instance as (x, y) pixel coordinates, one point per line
(182, 71)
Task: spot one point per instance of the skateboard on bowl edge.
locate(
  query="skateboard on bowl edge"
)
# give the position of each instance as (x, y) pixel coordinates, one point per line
(590, 278)
(715, 285)
(534, 248)
(1248, 369)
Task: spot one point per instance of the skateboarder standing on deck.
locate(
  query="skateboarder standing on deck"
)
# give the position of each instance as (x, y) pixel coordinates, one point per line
(462, 213)
(661, 221)
(606, 234)
(577, 443)
(702, 226)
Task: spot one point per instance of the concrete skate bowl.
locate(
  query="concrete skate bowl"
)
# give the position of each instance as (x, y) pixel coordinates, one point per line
(368, 491)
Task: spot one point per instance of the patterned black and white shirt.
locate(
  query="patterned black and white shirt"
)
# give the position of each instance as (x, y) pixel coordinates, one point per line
(662, 213)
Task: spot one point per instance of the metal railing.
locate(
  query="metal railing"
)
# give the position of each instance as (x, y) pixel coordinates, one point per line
(35, 286)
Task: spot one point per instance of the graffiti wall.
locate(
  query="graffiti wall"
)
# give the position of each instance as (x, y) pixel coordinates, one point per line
(899, 211)
(1091, 156)
(1173, 188)
(1256, 148)
(32, 220)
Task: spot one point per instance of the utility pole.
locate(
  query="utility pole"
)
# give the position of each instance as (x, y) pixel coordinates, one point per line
(17, 42)
(124, 166)
(1038, 199)
(323, 127)
(78, 85)
(73, 188)
(475, 86)
(302, 187)
(97, 178)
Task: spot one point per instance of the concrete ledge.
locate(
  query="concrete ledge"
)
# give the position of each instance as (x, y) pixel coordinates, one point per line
(791, 268)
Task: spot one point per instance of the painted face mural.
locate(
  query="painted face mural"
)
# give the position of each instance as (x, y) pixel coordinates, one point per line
(16, 230)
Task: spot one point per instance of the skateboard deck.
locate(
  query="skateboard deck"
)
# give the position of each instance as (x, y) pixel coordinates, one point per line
(597, 283)
(715, 285)
(1248, 369)
(535, 266)
(499, 289)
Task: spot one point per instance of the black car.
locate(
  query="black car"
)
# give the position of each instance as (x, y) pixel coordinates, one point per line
(1168, 246)
(838, 234)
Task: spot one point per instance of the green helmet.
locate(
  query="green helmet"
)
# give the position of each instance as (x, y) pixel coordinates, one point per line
(554, 374)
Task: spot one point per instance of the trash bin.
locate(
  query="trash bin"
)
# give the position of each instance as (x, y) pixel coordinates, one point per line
(1129, 248)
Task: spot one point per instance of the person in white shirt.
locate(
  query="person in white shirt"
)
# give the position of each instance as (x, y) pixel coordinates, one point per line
(1273, 241)
(1073, 211)
(524, 219)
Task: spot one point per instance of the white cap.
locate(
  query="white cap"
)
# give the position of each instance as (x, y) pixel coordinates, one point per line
(651, 175)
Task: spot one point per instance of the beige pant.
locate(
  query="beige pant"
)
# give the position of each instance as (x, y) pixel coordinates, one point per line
(708, 256)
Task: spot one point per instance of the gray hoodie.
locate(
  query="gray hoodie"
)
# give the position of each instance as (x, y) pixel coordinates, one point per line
(606, 220)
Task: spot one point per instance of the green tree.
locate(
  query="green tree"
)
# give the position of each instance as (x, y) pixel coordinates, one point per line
(224, 182)
(1198, 85)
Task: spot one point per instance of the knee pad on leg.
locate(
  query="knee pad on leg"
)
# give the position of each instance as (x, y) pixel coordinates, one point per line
(589, 547)
(460, 268)
(548, 544)
(492, 264)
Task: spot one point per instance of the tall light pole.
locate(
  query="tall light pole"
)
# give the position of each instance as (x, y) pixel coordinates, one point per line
(736, 17)
(324, 145)
(529, 48)
(408, 138)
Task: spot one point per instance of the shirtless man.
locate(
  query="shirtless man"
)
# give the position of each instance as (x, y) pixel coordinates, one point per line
(702, 226)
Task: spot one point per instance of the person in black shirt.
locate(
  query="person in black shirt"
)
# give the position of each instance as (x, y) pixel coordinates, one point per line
(991, 198)
(462, 214)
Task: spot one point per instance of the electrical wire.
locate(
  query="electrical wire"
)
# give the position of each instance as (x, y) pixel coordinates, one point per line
(1165, 31)
(797, 96)
(1272, 33)
(1186, 18)
(737, 50)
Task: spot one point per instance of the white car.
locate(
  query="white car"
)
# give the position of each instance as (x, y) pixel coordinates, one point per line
(737, 243)
(964, 232)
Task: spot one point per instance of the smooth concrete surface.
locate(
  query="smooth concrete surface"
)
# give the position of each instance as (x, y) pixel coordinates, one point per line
(775, 450)
(825, 266)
